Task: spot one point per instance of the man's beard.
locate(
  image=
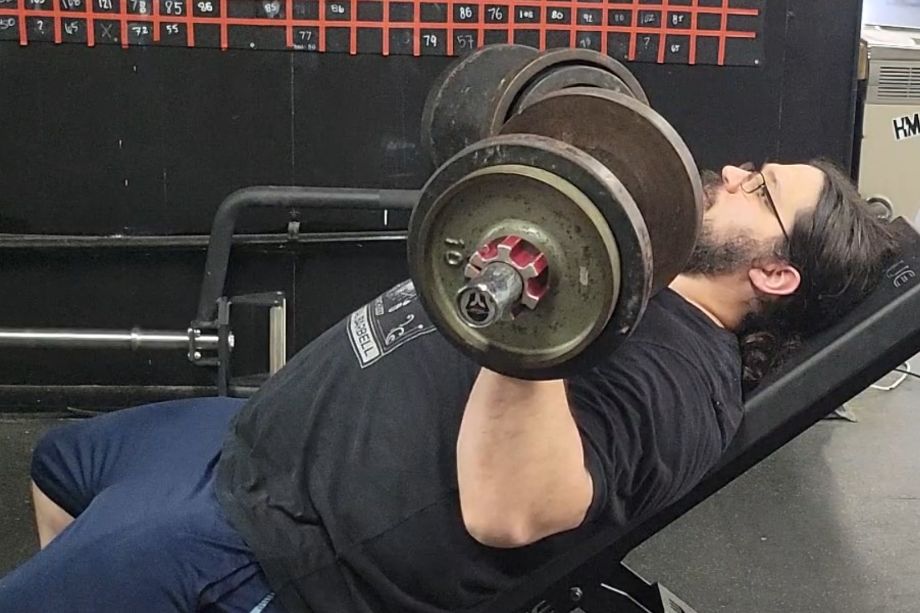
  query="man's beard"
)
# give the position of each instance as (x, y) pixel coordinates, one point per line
(719, 255)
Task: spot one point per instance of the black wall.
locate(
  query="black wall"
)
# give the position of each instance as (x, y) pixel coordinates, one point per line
(148, 141)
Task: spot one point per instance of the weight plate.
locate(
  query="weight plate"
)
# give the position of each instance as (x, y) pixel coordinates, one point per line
(545, 65)
(551, 214)
(561, 200)
(642, 150)
(457, 111)
(562, 77)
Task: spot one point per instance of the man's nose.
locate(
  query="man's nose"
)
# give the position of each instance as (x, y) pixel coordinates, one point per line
(733, 177)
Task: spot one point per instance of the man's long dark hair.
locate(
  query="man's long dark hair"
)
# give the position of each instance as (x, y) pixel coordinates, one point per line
(839, 249)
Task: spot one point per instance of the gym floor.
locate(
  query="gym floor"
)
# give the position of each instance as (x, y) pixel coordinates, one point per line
(831, 522)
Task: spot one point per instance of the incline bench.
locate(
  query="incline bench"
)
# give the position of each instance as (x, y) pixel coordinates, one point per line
(831, 368)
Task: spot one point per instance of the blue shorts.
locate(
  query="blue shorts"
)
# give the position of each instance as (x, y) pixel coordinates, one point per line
(149, 534)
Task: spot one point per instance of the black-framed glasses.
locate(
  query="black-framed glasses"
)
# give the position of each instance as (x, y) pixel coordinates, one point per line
(758, 183)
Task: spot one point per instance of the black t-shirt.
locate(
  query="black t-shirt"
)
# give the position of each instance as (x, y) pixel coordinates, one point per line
(340, 472)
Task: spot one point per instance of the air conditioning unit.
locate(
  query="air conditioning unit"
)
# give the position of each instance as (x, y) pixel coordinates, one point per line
(889, 168)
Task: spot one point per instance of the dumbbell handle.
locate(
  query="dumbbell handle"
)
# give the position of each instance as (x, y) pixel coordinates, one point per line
(489, 296)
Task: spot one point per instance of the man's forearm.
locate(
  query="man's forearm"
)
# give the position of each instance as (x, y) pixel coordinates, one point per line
(520, 461)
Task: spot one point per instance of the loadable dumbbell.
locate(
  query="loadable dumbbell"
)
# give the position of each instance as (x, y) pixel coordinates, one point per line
(536, 250)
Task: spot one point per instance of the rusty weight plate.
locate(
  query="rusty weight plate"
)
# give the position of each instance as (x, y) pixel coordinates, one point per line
(560, 69)
(458, 109)
(574, 75)
(565, 202)
(644, 152)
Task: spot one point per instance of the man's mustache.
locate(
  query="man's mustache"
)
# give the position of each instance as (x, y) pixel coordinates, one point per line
(712, 181)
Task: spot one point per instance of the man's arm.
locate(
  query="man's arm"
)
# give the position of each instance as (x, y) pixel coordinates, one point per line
(520, 462)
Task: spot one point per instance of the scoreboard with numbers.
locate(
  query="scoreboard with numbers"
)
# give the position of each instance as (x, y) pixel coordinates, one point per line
(722, 32)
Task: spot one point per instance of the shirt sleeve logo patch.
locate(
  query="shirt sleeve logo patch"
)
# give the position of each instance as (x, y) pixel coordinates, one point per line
(391, 320)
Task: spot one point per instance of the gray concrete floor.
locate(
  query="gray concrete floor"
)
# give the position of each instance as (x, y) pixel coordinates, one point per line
(18, 435)
(831, 522)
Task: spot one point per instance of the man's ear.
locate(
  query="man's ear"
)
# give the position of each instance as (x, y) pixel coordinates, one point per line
(775, 278)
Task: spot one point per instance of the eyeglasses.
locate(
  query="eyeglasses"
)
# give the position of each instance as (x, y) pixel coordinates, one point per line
(758, 183)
